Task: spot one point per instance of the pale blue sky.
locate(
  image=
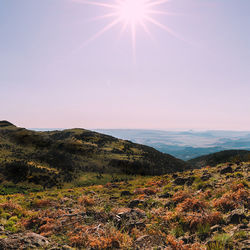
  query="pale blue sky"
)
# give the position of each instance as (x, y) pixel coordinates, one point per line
(48, 80)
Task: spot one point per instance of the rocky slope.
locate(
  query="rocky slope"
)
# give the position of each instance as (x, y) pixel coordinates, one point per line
(205, 208)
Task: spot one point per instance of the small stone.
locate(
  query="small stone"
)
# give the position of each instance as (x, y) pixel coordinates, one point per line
(125, 193)
(238, 169)
(134, 203)
(169, 204)
(190, 181)
(205, 177)
(142, 239)
(227, 169)
(216, 228)
(236, 216)
(66, 247)
(180, 181)
(246, 245)
(165, 195)
(175, 176)
(242, 226)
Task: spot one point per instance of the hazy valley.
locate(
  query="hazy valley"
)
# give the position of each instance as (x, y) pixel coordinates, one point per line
(185, 145)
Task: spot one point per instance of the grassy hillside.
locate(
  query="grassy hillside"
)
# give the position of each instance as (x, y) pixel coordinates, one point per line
(221, 157)
(200, 209)
(50, 158)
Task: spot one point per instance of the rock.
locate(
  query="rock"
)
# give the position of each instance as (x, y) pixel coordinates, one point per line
(165, 195)
(180, 181)
(190, 181)
(23, 241)
(175, 176)
(133, 214)
(135, 203)
(238, 169)
(66, 247)
(113, 198)
(242, 226)
(130, 219)
(187, 239)
(142, 239)
(245, 245)
(236, 217)
(1, 228)
(169, 204)
(125, 193)
(225, 170)
(115, 245)
(149, 242)
(205, 177)
(139, 225)
(216, 228)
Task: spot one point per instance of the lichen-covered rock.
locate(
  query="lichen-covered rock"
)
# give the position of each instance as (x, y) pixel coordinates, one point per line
(236, 217)
(23, 241)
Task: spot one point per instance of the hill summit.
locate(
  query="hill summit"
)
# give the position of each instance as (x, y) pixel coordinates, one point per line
(5, 124)
(52, 157)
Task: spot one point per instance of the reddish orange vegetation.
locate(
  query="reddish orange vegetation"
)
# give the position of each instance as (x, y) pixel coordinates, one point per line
(98, 237)
(10, 206)
(170, 216)
(225, 203)
(206, 194)
(180, 196)
(158, 183)
(42, 203)
(85, 200)
(195, 219)
(48, 228)
(146, 191)
(191, 204)
(178, 245)
(232, 200)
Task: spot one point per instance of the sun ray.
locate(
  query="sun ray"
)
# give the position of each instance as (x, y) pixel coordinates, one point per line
(114, 14)
(131, 14)
(112, 6)
(133, 35)
(162, 13)
(146, 30)
(124, 27)
(164, 27)
(151, 4)
(105, 29)
(97, 35)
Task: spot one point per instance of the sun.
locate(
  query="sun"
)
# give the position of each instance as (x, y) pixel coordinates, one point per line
(132, 11)
(130, 14)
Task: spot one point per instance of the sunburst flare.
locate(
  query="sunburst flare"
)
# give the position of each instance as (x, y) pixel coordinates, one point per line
(131, 14)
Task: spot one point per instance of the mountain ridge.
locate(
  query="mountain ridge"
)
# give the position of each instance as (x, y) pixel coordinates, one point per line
(221, 157)
(62, 154)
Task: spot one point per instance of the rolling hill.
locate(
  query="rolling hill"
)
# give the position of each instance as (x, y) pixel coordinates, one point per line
(52, 157)
(221, 157)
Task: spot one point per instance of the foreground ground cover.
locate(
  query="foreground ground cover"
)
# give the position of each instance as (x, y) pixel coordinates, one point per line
(197, 209)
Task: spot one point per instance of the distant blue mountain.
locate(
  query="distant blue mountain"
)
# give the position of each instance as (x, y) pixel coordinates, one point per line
(185, 144)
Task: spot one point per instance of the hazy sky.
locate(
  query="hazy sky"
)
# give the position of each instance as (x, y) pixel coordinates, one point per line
(49, 78)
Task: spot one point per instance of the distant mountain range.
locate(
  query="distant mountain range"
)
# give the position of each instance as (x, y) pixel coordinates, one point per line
(185, 145)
